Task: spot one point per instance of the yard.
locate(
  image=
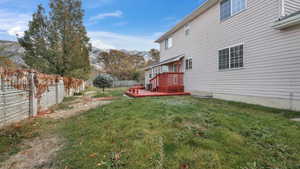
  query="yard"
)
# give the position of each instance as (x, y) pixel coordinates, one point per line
(166, 133)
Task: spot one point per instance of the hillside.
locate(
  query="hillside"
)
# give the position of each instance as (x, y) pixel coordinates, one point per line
(15, 52)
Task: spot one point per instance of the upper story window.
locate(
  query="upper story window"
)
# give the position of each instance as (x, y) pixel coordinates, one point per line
(168, 43)
(231, 58)
(231, 7)
(187, 29)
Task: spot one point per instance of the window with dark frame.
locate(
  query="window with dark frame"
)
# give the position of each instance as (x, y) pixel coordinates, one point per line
(224, 59)
(236, 57)
(231, 58)
(186, 64)
(190, 63)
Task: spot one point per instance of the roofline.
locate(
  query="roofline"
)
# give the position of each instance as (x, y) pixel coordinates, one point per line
(204, 7)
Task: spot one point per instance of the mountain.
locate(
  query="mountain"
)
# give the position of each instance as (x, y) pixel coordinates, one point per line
(15, 52)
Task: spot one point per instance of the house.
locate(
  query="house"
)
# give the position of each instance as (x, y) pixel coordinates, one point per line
(239, 50)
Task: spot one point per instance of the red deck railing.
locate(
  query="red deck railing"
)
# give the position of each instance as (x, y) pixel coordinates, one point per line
(168, 82)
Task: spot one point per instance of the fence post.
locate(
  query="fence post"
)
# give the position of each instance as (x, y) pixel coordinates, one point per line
(3, 99)
(33, 102)
(57, 92)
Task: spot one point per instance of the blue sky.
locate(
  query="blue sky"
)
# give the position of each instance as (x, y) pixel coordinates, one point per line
(119, 24)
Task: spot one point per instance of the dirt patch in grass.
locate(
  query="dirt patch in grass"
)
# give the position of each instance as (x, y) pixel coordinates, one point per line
(75, 108)
(33, 143)
(39, 154)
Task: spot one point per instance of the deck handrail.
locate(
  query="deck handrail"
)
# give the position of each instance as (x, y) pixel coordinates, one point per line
(168, 82)
(166, 73)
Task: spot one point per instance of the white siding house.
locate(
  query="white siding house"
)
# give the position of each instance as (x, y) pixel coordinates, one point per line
(241, 50)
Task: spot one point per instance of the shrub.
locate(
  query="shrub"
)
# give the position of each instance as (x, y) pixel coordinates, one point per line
(103, 81)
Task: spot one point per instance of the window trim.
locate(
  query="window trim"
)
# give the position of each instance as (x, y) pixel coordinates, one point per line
(229, 47)
(232, 15)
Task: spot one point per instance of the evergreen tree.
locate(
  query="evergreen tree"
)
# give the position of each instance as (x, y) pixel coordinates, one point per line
(35, 42)
(58, 43)
(68, 29)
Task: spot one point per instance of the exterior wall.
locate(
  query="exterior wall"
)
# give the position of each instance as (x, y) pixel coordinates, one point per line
(291, 6)
(271, 57)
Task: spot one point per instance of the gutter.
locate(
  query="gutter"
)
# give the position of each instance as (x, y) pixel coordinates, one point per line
(287, 22)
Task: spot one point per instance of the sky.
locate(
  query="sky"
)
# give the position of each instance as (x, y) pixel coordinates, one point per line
(111, 24)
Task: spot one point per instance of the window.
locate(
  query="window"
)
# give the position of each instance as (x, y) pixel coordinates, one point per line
(231, 7)
(225, 9)
(168, 43)
(174, 68)
(238, 5)
(186, 64)
(231, 58)
(224, 59)
(187, 29)
(236, 57)
(189, 64)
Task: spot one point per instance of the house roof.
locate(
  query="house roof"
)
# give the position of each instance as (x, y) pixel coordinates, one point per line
(173, 59)
(208, 4)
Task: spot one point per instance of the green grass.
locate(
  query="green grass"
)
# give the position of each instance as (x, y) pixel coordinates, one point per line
(179, 133)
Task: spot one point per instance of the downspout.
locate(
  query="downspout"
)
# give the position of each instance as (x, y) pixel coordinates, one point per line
(282, 7)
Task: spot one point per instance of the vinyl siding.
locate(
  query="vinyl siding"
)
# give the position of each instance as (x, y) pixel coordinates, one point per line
(271, 57)
(292, 6)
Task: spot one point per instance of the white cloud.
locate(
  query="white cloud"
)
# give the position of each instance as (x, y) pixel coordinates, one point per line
(101, 45)
(108, 40)
(13, 23)
(106, 15)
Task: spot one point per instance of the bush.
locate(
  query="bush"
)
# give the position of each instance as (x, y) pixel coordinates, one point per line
(103, 81)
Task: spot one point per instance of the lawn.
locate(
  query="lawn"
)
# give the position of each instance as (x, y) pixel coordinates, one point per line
(183, 133)
(174, 133)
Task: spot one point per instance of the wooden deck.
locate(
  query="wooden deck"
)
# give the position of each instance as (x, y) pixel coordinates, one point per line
(145, 93)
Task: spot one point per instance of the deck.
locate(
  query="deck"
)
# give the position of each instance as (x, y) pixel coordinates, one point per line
(145, 93)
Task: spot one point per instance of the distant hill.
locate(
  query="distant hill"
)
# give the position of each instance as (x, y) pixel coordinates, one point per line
(13, 51)
(16, 53)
